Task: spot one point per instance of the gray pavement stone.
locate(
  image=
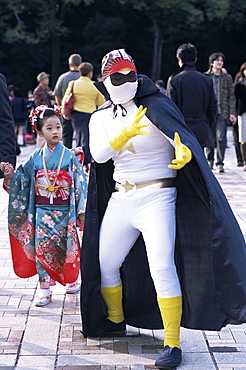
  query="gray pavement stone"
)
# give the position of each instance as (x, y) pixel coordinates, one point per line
(193, 341)
(7, 360)
(41, 336)
(137, 367)
(116, 359)
(197, 366)
(36, 363)
(230, 358)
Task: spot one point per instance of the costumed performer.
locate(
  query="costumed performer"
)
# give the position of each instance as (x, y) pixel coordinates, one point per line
(47, 194)
(161, 245)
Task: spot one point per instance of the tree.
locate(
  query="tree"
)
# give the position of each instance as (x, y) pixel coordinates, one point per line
(171, 17)
(24, 24)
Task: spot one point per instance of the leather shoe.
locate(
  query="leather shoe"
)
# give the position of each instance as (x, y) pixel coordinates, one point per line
(220, 168)
(111, 326)
(170, 358)
(211, 164)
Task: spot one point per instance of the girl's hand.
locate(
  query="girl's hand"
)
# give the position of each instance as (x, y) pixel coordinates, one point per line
(2, 165)
(8, 170)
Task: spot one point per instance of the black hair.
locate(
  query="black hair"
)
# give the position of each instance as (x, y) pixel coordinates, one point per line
(187, 53)
(215, 56)
(17, 91)
(160, 83)
(47, 113)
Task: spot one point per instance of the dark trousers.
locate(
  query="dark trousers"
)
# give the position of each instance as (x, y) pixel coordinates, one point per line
(67, 136)
(220, 140)
(236, 142)
(80, 123)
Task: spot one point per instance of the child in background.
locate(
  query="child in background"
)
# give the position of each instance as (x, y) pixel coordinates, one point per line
(46, 195)
(20, 114)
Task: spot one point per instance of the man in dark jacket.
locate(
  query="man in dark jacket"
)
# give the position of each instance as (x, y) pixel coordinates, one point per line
(193, 93)
(133, 221)
(7, 133)
(226, 108)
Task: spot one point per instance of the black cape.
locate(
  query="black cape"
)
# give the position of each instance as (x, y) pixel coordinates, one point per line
(210, 251)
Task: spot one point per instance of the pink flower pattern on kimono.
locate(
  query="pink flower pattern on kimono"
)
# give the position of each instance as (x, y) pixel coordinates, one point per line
(15, 204)
(23, 237)
(48, 220)
(50, 255)
(41, 233)
(12, 229)
(63, 232)
(25, 234)
(57, 213)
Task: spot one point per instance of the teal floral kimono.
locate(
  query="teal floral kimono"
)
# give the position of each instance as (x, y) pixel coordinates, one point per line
(46, 195)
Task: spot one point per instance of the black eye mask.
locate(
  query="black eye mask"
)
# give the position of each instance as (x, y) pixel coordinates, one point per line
(118, 79)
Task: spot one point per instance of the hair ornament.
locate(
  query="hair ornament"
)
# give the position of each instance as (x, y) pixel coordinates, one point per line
(57, 110)
(38, 112)
(34, 114)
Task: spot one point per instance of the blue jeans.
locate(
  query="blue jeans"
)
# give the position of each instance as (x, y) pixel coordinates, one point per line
(220, 132)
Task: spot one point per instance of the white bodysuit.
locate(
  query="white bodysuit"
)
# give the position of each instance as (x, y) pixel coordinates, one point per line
(148, 210)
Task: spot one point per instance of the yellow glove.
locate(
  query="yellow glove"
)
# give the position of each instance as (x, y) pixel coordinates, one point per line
(131, 130)
(182, 153)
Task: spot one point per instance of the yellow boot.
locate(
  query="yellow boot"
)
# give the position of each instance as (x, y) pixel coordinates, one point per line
(113, 299)
(171, 311)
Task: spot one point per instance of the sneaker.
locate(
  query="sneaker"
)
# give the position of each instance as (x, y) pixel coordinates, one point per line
(240, 163)
(170, 358)
(73, 288)
(220, 168)
(43, 301)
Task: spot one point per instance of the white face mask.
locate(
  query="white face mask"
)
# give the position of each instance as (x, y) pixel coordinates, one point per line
(123, 93)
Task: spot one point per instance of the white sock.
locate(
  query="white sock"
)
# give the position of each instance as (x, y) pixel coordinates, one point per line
(75, 282)
(20, 139)
(44, 293)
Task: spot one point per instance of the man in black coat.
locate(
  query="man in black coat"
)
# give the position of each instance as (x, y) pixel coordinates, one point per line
(194, 95)
(7, 133)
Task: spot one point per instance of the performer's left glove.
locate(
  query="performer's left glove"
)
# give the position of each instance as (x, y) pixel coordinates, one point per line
(129, 131)
(182, 153)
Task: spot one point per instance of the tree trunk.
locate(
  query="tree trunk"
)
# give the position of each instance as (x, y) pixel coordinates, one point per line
(55, 58)
(157, 50)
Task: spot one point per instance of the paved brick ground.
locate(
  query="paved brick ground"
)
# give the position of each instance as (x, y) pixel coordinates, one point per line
(48, 338)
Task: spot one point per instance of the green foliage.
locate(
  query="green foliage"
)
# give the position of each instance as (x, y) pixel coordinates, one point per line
(216, 9)
(36, 34)
(26, 24)
(19, 33)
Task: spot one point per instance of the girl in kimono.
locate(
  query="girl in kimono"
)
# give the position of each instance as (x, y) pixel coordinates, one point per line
(47, 195)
